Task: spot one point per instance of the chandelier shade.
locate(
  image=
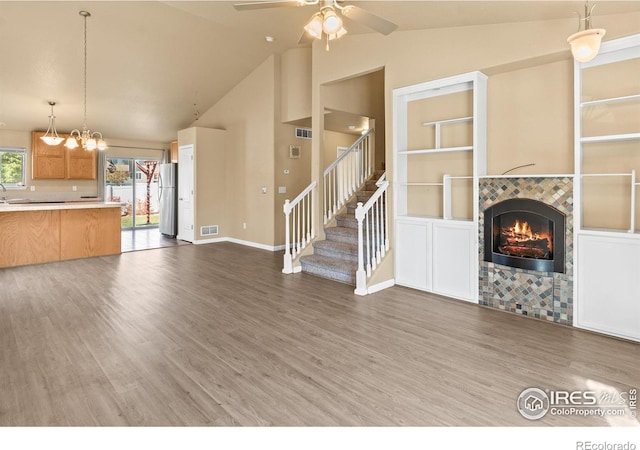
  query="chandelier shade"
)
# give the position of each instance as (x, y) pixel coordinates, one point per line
(51, 136)
(585, 44)
(90, 140)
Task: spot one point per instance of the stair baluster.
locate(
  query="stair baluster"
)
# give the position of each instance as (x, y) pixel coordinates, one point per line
(299, 225)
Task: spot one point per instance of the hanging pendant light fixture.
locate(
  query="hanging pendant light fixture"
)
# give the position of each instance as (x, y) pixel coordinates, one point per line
(90, 140)
(585, 44)
(53, 138)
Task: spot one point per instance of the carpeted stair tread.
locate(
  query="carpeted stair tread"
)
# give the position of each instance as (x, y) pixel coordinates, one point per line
(331, 268)
(340, 250)
(342, 234)
(336, 257)
(347, 221)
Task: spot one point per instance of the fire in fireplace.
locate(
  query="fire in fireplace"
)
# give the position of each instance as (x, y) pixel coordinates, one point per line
(525, 233)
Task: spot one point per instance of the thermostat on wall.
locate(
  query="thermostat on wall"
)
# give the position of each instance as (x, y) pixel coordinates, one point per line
(294, 151)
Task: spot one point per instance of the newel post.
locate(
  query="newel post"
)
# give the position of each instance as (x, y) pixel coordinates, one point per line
(288, 263)
(361, 275)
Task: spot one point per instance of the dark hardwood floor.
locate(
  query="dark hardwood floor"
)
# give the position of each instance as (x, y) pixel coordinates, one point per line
(217, 335)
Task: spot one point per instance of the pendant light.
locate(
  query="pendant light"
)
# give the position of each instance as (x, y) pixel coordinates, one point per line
(90, 140)
(53, 138)
(585, 44)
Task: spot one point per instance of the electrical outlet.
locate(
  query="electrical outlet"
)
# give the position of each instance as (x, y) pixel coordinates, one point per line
(74, 188)
(32, 188)
(244, 225)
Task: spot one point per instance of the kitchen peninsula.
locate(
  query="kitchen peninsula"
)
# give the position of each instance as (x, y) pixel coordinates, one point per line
(32, 233)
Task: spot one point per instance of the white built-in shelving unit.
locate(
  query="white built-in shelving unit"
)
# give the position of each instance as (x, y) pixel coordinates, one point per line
(439, 154)
(607, 164)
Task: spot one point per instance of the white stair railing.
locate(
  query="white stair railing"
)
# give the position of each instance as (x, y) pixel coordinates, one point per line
(347, 173)
(373, 234)
(300, 217)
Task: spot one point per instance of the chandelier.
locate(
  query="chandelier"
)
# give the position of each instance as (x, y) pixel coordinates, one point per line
(585, 44)
(90, 140)
(53, 138)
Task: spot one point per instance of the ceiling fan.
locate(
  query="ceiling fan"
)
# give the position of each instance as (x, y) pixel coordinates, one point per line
(327, 21)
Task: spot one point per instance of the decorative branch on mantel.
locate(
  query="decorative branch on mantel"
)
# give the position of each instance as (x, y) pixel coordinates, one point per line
(518, 167)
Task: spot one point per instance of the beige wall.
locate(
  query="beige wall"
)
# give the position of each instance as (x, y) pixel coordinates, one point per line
(210, 180)
(332, 140)
(362, 95)
(295, 85)
(63, 189)
(247, 113)
(530, 84)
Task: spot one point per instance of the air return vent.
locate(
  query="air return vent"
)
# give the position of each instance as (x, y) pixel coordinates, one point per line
(304, 133)
(210, 230)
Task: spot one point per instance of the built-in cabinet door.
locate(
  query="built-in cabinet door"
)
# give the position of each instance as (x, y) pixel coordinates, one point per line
(56, 162)
(455, 257)
(437, 256)
(48, 161)
(413, 255)
(81, 164)
(609, 284)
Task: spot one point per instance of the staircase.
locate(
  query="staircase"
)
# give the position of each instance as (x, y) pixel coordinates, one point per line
(336, 257)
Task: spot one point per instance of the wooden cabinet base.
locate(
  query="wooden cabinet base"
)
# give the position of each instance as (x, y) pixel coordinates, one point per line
(29, 237)
(33, 237)
(89, 232)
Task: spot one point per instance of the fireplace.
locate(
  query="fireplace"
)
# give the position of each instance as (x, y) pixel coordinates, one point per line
(526, 234)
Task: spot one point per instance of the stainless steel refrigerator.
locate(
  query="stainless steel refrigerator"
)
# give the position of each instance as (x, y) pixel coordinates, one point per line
(168, 196)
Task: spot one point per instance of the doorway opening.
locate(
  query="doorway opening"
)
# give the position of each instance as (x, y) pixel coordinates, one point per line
(134, 183)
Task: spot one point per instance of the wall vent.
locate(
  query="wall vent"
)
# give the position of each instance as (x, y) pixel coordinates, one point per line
(304, 133)
(210, 230)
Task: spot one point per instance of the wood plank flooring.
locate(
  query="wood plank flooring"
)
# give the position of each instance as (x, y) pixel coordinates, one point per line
(217, 335)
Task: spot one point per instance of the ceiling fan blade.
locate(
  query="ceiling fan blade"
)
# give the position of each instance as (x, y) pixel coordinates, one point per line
(305, 38)
(368, 19)
(264, 5)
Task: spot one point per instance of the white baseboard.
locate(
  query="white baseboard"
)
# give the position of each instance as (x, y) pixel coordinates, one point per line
(381, 286)
(269, 248)
(209, 241)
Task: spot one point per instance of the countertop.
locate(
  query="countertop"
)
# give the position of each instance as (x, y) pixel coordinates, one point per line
(52, 206)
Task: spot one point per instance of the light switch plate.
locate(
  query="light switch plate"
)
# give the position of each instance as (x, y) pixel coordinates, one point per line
(282, 189)
(32, 188)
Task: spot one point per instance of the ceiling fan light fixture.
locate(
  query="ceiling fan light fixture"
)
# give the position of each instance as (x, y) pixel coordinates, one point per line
(53, 138)
(331, 23)
(585, 44)
(314, 27)
(341, 32)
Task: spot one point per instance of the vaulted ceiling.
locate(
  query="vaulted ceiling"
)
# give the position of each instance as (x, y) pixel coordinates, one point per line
(154, 65)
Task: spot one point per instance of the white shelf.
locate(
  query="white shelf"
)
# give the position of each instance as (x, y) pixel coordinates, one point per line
(606, 101)
(448, 121)
(437, 150)
(610, 138)
(421, 184)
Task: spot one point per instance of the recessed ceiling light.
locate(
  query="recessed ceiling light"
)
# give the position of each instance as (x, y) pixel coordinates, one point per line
(269, 39)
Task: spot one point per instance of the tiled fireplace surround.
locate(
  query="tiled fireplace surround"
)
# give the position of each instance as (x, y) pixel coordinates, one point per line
(543, 295)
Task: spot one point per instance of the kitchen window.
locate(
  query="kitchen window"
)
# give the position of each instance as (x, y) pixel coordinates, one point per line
(13, 167)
